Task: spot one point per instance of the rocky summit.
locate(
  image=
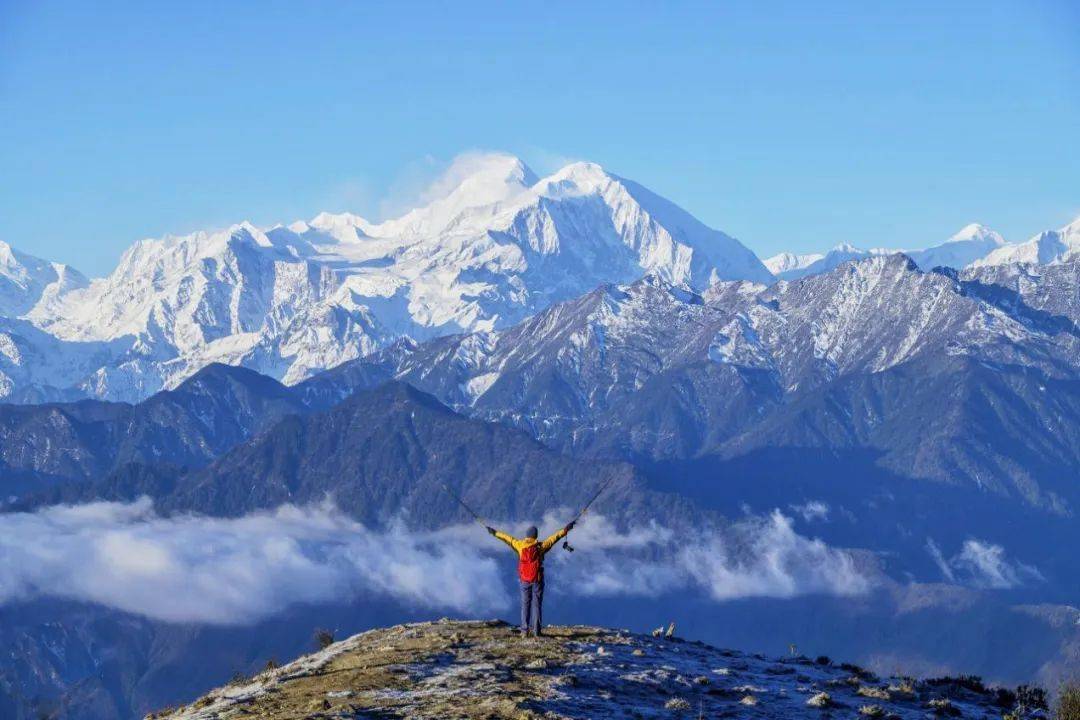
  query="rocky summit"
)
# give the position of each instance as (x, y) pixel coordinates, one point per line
(482, 669)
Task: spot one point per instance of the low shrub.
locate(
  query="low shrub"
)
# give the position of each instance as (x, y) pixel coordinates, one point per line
(323, 638)
(1031, 697)
(873, 692)
(973, 683)
(859, 672)
(1067, 706)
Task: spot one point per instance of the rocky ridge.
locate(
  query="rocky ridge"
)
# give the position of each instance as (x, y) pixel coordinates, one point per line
(483, 669)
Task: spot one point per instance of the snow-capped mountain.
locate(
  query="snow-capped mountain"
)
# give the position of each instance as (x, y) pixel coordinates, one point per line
(786, 262)
(799, 266)
(876, 356)
(1051, 246)
(494, 245)
(971, 243)
(27, 281)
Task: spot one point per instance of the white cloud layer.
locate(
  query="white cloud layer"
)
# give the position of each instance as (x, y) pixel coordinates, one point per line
(983, 564)
(239, 570)
(231, 570)
(757, 557)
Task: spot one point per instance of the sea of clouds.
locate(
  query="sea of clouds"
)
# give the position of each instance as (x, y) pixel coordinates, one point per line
(191, 568)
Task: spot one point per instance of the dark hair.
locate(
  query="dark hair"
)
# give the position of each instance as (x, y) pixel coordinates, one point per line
(532, 532)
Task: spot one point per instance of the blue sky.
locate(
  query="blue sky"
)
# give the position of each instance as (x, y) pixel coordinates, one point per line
(790, 125)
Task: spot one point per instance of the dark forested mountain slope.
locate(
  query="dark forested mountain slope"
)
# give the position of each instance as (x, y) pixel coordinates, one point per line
(57, 443)
(388, 452)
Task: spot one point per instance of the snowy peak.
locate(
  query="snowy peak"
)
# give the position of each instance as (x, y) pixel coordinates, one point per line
(579, 178)
(478, 179)
(27, 282)
(490, 245)
(806, 265)
(977, 231)
(1049, 247)
(972, 243)
(473, 182)
(786, 262)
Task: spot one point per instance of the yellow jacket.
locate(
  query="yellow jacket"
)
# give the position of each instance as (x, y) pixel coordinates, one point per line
(520, 544)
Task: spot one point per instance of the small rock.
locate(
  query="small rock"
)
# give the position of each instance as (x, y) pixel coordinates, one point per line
(821, 700)
(670, 633)
(600, 650)
(701, 680)
(874, 711)
(677, 703)
(658, 631)
(748, 700)
(538, 664)
(340, 694)
(722, 671)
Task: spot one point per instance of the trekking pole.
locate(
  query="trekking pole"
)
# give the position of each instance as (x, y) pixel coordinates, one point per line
(566, 544)
(462, 503)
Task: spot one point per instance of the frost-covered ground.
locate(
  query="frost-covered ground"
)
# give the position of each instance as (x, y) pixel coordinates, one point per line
(483, 670)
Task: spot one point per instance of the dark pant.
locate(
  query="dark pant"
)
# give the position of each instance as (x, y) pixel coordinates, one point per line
(532, 600)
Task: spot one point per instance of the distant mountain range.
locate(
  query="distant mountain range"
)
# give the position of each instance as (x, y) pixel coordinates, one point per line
(970, 244)
(497, 246)
(973, 246)
(489, 249)
(651, 371)
(965, 384)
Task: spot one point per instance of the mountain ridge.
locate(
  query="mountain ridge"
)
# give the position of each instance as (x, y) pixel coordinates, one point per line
(973, 246)
(494, 245)
(477, 669)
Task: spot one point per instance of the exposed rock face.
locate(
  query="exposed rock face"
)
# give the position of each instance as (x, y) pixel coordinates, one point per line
(483, 670)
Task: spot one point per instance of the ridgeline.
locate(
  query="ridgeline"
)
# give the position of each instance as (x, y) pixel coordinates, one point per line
(483, 670)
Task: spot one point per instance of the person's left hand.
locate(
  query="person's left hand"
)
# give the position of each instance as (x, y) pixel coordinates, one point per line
(570, 525)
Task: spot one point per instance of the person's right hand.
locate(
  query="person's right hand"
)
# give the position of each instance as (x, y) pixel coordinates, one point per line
(491, 530)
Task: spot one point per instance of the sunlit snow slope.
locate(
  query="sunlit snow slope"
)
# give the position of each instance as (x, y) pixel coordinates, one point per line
(494, 245)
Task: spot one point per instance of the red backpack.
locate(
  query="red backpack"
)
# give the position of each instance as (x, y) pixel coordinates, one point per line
(529, 563)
